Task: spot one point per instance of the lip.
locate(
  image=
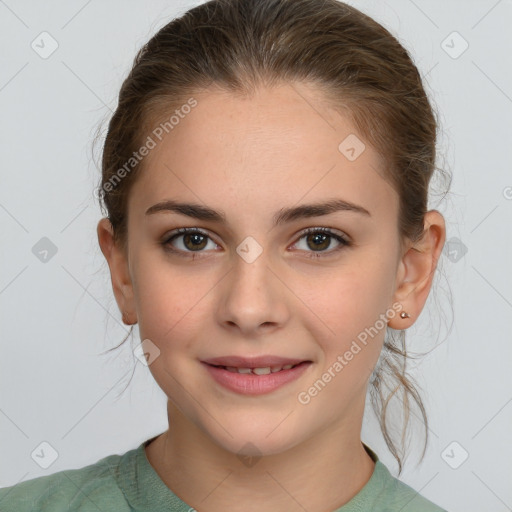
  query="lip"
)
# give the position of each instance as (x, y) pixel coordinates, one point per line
(252, 362)
(251, 384)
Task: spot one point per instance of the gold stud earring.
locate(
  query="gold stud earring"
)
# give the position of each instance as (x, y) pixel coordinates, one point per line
(403, 314)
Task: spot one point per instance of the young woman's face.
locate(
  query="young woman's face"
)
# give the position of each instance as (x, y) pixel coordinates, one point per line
(248, 287)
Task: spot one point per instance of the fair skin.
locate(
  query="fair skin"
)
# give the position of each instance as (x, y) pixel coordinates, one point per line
(250, 158)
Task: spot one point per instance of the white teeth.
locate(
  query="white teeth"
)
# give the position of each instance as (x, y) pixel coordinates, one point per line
(259, 371)
(234, 369)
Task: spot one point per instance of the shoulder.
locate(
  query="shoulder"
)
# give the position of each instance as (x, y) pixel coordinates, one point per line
(385, 493)
(91, 488)
(397, 495)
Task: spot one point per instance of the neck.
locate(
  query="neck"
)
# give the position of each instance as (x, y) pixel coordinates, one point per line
(212, 479)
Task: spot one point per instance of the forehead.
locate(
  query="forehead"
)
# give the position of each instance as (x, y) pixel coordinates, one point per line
(264, 151)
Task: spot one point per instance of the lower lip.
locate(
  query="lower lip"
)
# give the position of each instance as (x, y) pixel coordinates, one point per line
(251, 384)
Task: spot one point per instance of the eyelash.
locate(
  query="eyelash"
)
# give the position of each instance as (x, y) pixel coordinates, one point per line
(344, 242)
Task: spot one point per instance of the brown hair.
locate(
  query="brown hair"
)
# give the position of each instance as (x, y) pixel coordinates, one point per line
(240, 44)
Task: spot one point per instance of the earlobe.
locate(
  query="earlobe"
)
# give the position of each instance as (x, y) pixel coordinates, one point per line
(417, 269)
(119, 271)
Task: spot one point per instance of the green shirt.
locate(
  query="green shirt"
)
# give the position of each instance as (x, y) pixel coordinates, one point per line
(128, 482)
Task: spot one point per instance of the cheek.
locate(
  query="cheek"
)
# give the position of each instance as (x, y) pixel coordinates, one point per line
(348, 306)
(171, 303)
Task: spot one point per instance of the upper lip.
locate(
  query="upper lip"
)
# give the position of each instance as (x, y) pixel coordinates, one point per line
(252, 362)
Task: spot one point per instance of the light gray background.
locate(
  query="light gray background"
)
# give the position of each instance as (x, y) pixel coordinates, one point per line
(56, 317)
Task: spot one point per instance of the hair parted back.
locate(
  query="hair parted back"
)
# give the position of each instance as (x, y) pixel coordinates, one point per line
(360, 67)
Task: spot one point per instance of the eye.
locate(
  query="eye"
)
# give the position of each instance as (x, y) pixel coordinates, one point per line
(192, 240)
(320, 239)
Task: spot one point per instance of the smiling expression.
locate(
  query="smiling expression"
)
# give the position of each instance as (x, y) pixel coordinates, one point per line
(260, 171)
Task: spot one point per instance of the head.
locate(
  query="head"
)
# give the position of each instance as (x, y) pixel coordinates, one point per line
(248, 110)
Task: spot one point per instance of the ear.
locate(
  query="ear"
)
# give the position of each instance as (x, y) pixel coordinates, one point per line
(119, 271)
(416, 270)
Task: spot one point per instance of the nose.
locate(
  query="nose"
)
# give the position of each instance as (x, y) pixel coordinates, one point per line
(253, 299)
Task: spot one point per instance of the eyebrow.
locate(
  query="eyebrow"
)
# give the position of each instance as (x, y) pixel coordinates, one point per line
(284, 215)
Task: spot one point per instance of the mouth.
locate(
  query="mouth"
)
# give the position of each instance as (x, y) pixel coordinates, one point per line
(255, 376)
(262, 370)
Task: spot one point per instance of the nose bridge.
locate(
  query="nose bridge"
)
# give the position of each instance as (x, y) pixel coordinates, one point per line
(250, 280)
